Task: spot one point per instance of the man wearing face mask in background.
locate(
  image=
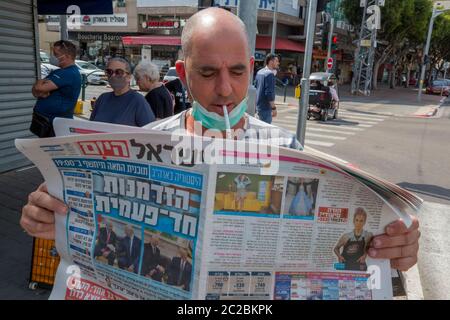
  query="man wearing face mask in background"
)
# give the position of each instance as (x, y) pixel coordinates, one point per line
(58, 93)
(123, 105)
(216, 70)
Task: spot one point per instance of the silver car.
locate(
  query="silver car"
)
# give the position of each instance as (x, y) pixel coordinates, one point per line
(94, 75)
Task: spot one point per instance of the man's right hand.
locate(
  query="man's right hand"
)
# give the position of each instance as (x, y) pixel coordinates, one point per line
(38, 217)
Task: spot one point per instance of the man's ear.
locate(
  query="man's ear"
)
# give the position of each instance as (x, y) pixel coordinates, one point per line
(181, 71)
(252, 64)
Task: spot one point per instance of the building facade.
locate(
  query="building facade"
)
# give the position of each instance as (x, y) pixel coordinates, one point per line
(151, 29)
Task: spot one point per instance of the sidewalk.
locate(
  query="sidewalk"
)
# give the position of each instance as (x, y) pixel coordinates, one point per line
(399, 101)
(16, 245)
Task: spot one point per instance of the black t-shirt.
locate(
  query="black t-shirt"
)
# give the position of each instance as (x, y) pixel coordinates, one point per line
(161, 102)
(176, 88)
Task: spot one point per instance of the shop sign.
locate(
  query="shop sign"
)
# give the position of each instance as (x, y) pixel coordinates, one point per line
(154, 24)
(91, 37)
(288, 7)
(166, 3)
(107, 20)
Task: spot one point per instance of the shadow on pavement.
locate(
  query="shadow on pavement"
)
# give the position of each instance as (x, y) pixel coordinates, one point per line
(427, 189)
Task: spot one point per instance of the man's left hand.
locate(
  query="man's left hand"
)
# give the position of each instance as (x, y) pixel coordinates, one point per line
(399, 244)
(274, 113)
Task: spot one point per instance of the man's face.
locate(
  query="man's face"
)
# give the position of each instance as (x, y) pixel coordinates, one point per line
(59, 54)
(359, 221)
(217, 71)
(276, 63)
(109, 225)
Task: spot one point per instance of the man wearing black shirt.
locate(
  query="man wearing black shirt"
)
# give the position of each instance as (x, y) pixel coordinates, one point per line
(147, 78)
(176, 88)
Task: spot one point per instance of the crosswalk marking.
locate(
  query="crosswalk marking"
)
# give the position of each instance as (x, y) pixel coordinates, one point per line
(327, 134)
(368, 115)
(351, 115)
(309, 134)
(333, 126)
(318, 143)
(331, 131)
(357, 121)
(360, 118)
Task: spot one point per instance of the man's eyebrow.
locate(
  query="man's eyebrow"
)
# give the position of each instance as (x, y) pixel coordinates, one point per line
(238, 67)
(208, 68)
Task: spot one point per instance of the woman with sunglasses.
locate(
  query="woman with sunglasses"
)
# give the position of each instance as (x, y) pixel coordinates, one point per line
(123, 105)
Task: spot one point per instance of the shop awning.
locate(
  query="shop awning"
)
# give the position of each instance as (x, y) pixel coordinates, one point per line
(262, 42)
(265, 42)
(152, 40)
(86, 6)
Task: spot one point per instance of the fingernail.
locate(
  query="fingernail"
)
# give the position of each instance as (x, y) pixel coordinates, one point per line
(390, 230)
(377, 243)
(372, 252)
(63, 210)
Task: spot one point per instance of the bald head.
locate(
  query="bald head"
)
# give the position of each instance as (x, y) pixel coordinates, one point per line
(212, 21)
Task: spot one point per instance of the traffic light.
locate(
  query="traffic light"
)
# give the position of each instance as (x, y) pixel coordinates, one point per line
(322, 34)
(334, 42)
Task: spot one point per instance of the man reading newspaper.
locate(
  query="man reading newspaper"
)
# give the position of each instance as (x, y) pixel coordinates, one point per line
(216, 71)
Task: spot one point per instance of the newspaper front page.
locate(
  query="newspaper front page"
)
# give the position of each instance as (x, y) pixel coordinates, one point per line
(151, 218)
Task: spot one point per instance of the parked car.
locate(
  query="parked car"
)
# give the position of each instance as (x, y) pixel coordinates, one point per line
(46, 67)
(170, 75)
(413, 81)
(438, 86)
(94, 75)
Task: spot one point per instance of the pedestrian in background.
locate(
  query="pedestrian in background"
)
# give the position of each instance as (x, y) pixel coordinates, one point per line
(179, 94)
(123, 105)
(58, 93)
(265, 89)
(147, 78)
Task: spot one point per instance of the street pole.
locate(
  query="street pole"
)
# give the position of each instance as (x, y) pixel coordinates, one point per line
(425, 55)
(248, 13)
(63, 27)
(445, 75)
(274, 27)
(304, 99)
(330, 41)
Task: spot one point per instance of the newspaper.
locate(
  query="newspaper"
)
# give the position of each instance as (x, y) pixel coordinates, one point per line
(151, 218)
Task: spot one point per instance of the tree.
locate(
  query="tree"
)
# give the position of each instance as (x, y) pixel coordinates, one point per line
(403, 27)
(440, 43)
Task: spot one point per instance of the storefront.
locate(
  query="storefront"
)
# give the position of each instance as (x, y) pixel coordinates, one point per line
(19, 68)
(291, 52)
(98, 46)
(161, 50)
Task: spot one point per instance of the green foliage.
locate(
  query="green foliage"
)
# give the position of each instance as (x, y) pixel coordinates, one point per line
(400, 19)
(440, 41)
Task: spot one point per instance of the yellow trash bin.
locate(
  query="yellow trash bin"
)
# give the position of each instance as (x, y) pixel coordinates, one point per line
(78, 107)
(298, 91)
